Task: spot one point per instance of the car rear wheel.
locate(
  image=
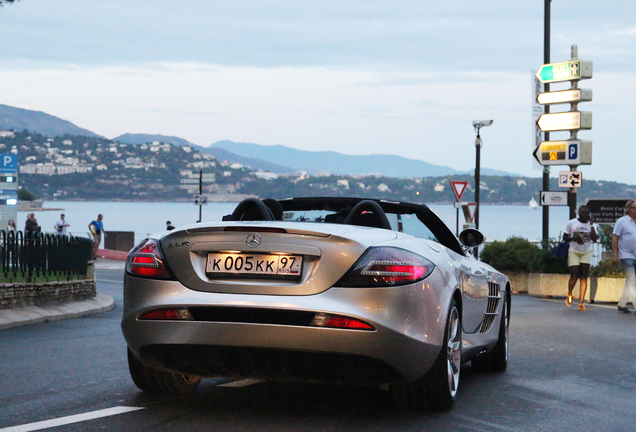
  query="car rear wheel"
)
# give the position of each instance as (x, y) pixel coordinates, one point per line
(437, 389)
(497, 359)
(158, 381)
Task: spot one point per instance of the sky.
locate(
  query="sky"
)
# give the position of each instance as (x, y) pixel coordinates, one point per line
(366, 77)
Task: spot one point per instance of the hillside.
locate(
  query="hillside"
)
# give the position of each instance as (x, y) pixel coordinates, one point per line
(18, 119)
(98, 169)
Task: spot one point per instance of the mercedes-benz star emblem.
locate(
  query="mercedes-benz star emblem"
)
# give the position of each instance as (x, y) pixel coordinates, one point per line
(253, 240)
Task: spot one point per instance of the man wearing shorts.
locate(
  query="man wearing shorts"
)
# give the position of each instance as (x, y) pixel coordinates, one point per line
(97, 228)
(581, 234)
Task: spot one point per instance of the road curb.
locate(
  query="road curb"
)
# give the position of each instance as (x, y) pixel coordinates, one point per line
(54, 312)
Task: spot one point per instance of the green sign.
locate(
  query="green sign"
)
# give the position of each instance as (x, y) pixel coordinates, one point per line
(565, 71)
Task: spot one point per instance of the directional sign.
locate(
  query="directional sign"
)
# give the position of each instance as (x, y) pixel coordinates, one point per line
(606, 210)
(565, 96)
(570, 152)
(549, 198)
(570, 179)
(570, 120)
(459, 187)
(565, 71)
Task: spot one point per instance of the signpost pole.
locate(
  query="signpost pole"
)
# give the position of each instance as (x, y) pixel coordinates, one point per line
(546, 88)
(477, 177)
(200, 193)
(573, 135)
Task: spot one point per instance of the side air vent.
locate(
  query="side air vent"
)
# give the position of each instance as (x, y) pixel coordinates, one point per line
(491, 309)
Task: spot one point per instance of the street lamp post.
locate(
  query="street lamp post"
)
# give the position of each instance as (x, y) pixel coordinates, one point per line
(478, 124)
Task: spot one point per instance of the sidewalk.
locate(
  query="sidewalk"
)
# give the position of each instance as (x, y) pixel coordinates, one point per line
(58, 311)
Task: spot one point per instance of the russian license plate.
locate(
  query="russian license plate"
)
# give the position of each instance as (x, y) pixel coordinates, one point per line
(270, 265)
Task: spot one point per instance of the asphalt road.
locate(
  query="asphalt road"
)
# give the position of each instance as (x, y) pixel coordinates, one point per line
(569, 370)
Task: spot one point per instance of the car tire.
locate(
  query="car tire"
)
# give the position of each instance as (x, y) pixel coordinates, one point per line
(437, 389)
(157, 381)
(496, 360)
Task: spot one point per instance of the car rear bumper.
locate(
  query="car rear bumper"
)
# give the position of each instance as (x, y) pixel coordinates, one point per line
(408, 324)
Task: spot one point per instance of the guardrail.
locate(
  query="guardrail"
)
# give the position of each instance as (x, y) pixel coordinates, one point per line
(30, 254)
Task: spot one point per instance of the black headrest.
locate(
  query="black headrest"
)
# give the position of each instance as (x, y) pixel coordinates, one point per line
(368, 213)
(251, 209)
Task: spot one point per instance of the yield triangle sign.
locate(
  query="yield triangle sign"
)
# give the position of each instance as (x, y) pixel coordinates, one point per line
(458, 188)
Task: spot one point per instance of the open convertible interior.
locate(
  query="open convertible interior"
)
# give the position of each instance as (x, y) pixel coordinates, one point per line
(416, 220)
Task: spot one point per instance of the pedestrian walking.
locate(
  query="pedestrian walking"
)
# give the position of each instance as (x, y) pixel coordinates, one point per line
(581, 234)
(62, 225)
(96, 228)
(169, 226)
(624, 250)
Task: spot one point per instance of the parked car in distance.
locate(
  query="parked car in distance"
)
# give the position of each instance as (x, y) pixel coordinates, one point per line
(334, 290)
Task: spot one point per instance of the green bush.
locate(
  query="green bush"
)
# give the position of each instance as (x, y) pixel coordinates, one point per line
(519, 254)
(605, 236)
(607, 269)
(516, 253)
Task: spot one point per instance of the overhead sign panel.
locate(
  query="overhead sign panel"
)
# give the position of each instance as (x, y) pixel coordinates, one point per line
(570, 152)
(570, 179)
(565, 71)
(570, 120)
(565, 96)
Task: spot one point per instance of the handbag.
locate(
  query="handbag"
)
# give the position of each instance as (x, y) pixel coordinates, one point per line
(561, 250)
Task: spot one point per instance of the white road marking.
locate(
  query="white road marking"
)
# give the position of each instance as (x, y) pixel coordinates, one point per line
(239, 383)
(70, 419)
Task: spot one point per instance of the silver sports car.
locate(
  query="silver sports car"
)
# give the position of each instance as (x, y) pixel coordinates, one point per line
(335, 290)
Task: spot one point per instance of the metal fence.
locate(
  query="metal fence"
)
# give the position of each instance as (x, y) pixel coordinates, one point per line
(32, 253)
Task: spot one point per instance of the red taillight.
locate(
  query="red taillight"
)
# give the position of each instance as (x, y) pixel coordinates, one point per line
(147, 260)
(167, 314)
(387, 266)
(338, 321)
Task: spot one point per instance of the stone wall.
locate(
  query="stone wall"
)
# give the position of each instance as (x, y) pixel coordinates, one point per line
(32, 294)
(556, 285)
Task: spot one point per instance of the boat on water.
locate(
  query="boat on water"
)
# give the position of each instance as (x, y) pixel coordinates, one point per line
(533, 203)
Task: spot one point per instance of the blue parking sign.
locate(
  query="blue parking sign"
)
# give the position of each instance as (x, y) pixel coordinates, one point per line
(9, 163)
(573, 151)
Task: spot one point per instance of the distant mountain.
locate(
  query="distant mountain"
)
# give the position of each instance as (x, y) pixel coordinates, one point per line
(256, 164)
(18, 119)
(129, 138)
(337, 163)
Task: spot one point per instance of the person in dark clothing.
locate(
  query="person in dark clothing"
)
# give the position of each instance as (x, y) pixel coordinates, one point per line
(31, 224)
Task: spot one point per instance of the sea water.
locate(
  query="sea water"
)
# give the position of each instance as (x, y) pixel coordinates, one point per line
(498, 222)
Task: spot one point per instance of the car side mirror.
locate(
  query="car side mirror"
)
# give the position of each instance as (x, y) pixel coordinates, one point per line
(471, 238)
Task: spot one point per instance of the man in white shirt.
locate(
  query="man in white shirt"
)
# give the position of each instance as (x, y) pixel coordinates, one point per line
(62, 225)
(624, 249)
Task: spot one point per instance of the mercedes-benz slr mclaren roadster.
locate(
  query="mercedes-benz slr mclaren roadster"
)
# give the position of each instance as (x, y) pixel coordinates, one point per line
(332, 290)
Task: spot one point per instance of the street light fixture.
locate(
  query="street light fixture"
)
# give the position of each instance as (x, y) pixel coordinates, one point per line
(478, 124)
